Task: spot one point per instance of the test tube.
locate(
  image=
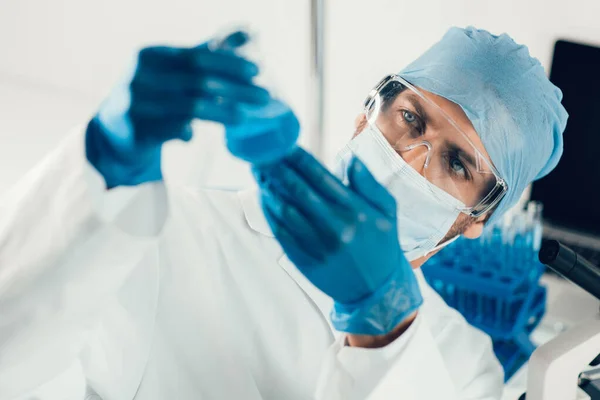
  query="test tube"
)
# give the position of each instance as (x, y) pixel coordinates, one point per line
(536, 208)
(520, 242)
(508, 243)
(496, 248)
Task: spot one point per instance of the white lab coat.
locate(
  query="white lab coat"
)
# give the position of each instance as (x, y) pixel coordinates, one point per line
(170, 293)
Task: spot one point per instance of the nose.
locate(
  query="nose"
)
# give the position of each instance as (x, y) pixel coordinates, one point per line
(417, 156)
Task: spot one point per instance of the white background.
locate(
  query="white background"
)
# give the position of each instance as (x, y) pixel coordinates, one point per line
(59, 58)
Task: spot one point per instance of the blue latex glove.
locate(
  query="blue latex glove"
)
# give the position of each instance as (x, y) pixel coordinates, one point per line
(168, 88)
(343, 239)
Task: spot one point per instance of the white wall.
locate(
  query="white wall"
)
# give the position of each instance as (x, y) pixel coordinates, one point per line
(33, 119)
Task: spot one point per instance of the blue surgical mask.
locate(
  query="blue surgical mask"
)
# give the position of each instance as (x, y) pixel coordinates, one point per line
(425, 212)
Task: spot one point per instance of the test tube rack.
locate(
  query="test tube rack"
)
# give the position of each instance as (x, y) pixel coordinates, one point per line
(494, 283)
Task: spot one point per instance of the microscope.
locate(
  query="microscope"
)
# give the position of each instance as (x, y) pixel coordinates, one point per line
(555, 368)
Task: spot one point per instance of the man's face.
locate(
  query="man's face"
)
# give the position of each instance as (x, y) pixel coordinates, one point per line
(406, 108)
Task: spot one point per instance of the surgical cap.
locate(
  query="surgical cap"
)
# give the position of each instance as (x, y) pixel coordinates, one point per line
(506, 95)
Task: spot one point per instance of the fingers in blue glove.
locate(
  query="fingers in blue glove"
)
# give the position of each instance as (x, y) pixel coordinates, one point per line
(165, 129)
(292, 249)
(227, 89)
(198, 59)
(319, 178)
(332, 221)
(184, 109)
(362, 182)
(298, 233)
(231, 42)
(164, 58)
(189, 83)
(223, 64)
(259, 176)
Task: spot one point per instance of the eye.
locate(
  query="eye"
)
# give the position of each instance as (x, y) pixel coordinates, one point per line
(457, 167)
(414, 122)
(409, 117)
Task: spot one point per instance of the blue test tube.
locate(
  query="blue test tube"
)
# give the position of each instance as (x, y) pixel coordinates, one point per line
(480, 311)
(495, 262)
(484, 250)
(519, 243)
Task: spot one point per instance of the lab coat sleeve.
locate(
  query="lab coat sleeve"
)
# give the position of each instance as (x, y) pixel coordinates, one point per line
(412, 367)
(64, 247)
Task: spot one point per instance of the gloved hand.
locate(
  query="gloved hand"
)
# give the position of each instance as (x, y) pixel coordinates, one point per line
(168, 88)
(344, 239)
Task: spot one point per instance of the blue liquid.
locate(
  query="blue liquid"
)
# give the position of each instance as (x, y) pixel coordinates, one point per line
(267, 134)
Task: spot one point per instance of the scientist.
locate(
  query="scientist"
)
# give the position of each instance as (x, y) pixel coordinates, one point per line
(160, 292)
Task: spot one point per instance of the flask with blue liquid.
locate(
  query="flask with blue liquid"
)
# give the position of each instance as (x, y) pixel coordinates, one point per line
(268, 132)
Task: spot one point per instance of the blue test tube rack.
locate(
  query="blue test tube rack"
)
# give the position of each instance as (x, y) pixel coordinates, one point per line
(493, 282)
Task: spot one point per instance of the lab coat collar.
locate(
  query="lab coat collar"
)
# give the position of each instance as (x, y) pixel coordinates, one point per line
(257, 222)
(253, 212)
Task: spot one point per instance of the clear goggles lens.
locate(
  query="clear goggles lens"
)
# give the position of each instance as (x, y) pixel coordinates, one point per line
(432, 143)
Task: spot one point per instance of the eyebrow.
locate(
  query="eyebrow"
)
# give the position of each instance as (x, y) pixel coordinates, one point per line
(466, 156)
(414, 101)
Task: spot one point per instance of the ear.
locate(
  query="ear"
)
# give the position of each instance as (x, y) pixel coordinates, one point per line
(359, 124)
(475, 230)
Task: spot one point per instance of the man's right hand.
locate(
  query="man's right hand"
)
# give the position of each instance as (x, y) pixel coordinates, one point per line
(166, 90)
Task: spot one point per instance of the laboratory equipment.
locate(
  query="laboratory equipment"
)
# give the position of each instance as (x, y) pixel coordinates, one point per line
(554, 368)
(494, 282)
(571, 266)
(569, 216)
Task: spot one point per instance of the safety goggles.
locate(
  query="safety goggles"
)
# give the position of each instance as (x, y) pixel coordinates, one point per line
(433, 144)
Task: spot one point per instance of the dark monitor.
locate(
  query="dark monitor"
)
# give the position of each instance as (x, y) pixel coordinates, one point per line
(571, 193)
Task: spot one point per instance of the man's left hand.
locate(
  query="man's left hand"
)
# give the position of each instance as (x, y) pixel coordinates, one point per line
(344, 239)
